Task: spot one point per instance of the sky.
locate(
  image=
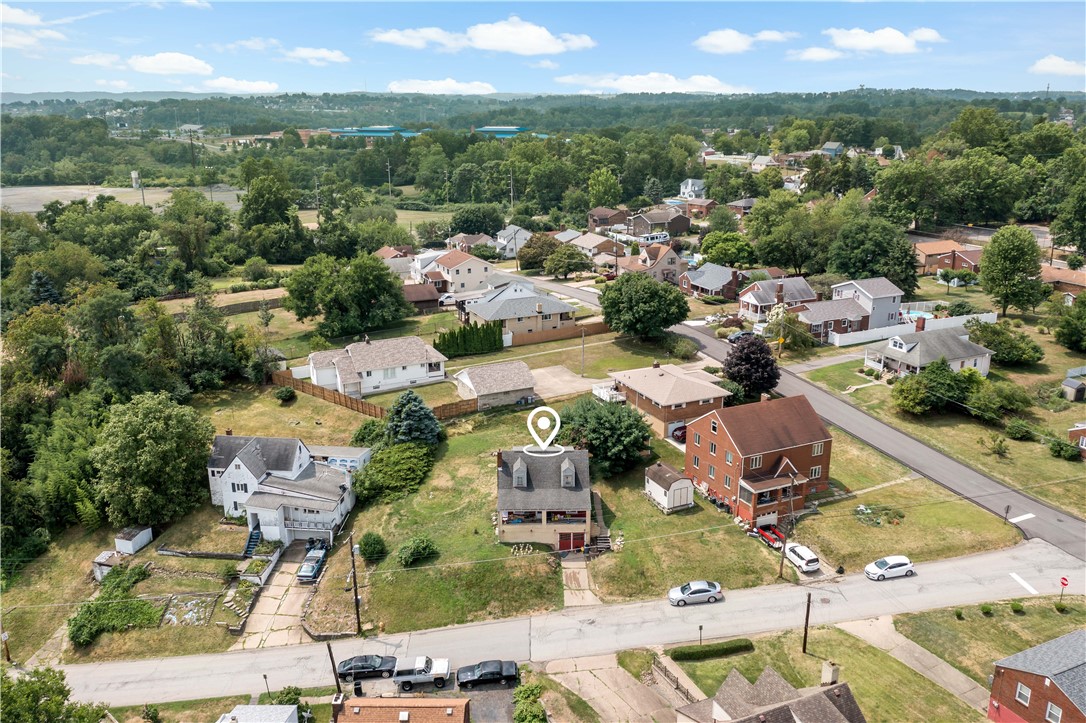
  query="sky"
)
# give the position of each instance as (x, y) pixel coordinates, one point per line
(541, 47)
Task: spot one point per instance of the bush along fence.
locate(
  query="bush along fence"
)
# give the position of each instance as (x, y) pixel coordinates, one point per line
(470, 339)
(286, 379)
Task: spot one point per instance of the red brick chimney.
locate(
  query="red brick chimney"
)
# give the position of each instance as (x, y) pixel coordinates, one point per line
(920, 321)
(655, 364)
(229, 432)
(499, 456)
(780, 292)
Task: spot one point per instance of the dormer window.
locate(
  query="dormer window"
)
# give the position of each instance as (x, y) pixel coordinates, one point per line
(896, 343)
(520, 474)
(568, 474)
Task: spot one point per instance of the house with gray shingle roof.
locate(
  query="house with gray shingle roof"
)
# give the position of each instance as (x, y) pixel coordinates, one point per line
(756, 300)
(909, 353)
(369, 366)
(772, 699)
(284, 489)
(711, 280)
(692, 188)
(496, 385)
(520, 309)
(1044, 683)
(879, 296)
(545, 499)
(840, 316)
(510, 240)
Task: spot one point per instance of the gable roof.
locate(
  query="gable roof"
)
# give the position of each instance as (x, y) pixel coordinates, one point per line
(498, 378)
(877, 287)
(664, 475)
(796, 289)
(772, 425)
(568, 236)
(924, 347)
(386, 353)
(937, 247)
(771, 699)
(468, 239)
(513, 232)
(818, 312)
(661, 215)
(259, 454)
(695, 183)
(669, 384)
(455, 258)
(544, 490)
(604, 212)
(517, 304)
(656, 251)
(711, 276)
(590, 241)
(387, 252)
(420, 292)
(1052, 274)
(743, 202)
(1060, 660)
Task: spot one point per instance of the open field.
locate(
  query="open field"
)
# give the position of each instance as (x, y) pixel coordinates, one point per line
(972, 644)
(885, 689)
(31, 199)
(603, 353)
(222, 298)
(254, 411)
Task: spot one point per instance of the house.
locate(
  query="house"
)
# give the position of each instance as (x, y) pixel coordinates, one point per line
(741, 206)
(760, 163)
(756, 300)
(668, 488)
(424, 297)
(565, 237)
(593, 244)
(466, 241)
(387, 252)
(840, 316)
(261, 714)
(1077, 434)
(692, 188)
(398, 261)
(460, 271)
(379, 365)
(668, 395)
(774, 699)
(601, 218)
(520, 309)
(280, 487)
(401, 710)
(712, 280)
(1064, 280)
(928, 253)
(833, 148)
(909, 353)
(670, 219)
(699, 207)
(878, 296)
(423, 265)
(496, 385)
(965, 260)
(1042, 684)
(545, 500)
(510, 239)
(760, 461)
(659, 261)
(1073, 390)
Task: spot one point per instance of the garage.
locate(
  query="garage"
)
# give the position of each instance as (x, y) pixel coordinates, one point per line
(570, 541)
(672, 426)
(770, 519)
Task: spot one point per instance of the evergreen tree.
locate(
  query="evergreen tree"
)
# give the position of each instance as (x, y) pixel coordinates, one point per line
(654, 189)
(410, 420)
(42, 290)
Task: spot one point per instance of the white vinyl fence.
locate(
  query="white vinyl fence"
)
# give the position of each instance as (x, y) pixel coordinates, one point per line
(860, 337)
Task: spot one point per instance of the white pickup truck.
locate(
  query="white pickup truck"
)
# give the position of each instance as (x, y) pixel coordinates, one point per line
(426, 670)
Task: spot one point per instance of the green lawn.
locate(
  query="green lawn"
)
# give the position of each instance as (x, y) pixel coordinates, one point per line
(432, 394)
(885, 689)
(855, 466)
(187, 711)
(602, 353)
(931, 291)
(154, 643)
(840, 377)
(636, 662)
(410, 219)
(254, 411)
(972, 644)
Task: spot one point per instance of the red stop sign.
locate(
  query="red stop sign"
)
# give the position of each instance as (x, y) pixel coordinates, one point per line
(1063, 582)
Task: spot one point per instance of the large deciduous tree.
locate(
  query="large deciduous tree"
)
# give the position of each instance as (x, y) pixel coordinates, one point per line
(565, 260)
(751, 365)
(866, 247)
(1009, 266)
(40, 695)
(267, 202)
(639, 305)
(535, 251)
(603, 188)
(1069, 228)
(478, 218)
(614, 434)
(151, 455)
(727, 249)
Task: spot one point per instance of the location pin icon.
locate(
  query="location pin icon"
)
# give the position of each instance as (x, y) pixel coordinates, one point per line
(540, 421)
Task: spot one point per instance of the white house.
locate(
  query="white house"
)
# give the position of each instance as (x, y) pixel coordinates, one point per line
(760, 163)
(279, 485)
(510, 240)
(909, 353)
(879, 296)
(260, 714)
(668, 488)
(423, 263)
(692, 188)
(378, 365)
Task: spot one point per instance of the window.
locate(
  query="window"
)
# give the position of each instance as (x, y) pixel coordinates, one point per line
(1053, 713)
(239, 487)
(816, 472)
(461, 284)
(485, 269)
(756, 461)
(697, 440)
(728, 456)
(237, 466)
(458, 272)
(369, 373)
(403, 368)
(679, 406)
(712, 426)
(520, 318)
(546, 317)
(388, 373)
(697, 462)
(712, 472)
(1021, 694)
(706, 401)
(712, 447)
(728, 481)
(235, 505)
(469, 269)
(816, 449)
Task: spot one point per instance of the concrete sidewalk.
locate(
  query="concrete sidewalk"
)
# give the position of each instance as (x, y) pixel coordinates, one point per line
(826, 361)
(880, 632)
(610, 690)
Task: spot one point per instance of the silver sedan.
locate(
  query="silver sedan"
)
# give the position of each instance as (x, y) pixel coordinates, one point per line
(697, 591)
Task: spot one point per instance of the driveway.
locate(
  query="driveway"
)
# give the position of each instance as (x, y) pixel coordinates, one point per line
(557, 381)
(611, 691)
(276, 618)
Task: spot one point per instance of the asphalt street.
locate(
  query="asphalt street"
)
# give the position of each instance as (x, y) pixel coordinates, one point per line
(595, 630)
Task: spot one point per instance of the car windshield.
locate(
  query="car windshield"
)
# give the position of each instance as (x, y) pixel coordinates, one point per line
(882, 564)
(685, 589)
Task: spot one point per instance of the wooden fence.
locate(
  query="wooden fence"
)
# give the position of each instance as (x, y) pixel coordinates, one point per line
(456, 409)
(286, 379)
(569, 332)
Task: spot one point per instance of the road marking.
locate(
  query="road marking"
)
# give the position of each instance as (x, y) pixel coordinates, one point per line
(1029, 588)
(1021, 518)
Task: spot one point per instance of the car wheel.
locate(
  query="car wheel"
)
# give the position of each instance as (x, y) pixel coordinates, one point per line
(386, 673)
(439, 682)
(503, 681)
(405, 686)
(909, 573)
(880, 578)
(468, 686)
(711, 599)
(681, 603)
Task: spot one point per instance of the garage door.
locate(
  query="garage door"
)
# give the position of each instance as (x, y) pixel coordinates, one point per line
(770, 519)
(672, 426)
(570, 540)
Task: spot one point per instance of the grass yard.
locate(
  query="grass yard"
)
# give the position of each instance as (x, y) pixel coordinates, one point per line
(254, 411)
(602, 353)
(410, 219)
(636, 662)
(183, 711)
(937, 524)
(454, 508)
(432, 394)
(930, 290)
(840, 377)
(561, 702)
(200, 531)
(154, 643)
(855, 466)
(885, 689)
(972, 644)
(700, 309)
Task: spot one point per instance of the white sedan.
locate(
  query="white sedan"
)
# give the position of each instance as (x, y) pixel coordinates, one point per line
(891, 566)
(695, 592)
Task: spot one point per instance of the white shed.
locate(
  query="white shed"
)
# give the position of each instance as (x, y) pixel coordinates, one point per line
(106, 561)
(668, 488)
(131, 540)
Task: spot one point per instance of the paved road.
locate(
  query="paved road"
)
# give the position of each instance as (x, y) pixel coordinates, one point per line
(1033, 517)
(594, 630)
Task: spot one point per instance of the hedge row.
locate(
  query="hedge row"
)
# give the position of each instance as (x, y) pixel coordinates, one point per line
(712, 650)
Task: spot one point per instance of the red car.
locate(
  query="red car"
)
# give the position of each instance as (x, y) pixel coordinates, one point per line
(610, 276)
(679, 435)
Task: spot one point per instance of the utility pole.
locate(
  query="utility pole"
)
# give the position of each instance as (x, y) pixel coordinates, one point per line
(335, 673)
(7, 653)
(388, 167)
(806, 623)
(354, 581)
(582, 352)
(784, 542)
(511, 187)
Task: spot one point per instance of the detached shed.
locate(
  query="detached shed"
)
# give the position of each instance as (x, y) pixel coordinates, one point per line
(105, 562)
(1073, 390)
(668, 488)
(131, 540)
(496, 385)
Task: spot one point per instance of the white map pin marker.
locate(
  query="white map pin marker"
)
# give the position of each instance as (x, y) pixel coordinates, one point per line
(542, 419)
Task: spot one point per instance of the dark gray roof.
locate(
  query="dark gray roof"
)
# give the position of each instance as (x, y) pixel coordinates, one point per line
(773, 700)
(831, 310)
(877, 287)
(743, 202)
(664, 475)
(259, 454)
(1073, 383)
(130, 533)
(544, 490)
(317, 480)
(519, 307)
(924, 347)
(711, 276)
(498, 378)
(1062, 660)
(796, 289)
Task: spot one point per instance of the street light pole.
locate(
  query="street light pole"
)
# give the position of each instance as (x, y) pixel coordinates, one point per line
(266, 686)
(354, 581)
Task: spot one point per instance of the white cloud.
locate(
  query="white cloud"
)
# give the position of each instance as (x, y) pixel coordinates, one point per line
(513, 35)
(729, 41)
(545, 64)
(885, 40)
(104, 60)
(317, 56)
(14, 39)
(115, 84)
(233, 85)
(169, 64)
(256, 44)
(1055, 65)
(650, 83)
(815, 55)
(199, 4)
(448, 86)
(17, 16)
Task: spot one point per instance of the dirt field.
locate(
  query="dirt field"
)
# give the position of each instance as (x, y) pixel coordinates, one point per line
(31, 199)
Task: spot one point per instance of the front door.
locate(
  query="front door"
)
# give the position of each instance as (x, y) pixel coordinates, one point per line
(570, 541)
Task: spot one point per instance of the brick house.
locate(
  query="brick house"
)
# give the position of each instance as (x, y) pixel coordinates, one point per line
(1064, 280)
(604, 218)
(668, 395)
(928, 253)
(1076, 435)
(398, 710)
(592, 245)
(964, 260)
(1043, 684)
(699, 207)
(670, 219)
(656, 260)
(741, 206)
(711, 280)
(761, 460)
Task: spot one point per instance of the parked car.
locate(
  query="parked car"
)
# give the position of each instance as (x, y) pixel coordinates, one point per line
(801, 557)
(425, 670)
(679, 434)
(446, 299)
(366, 666)
(609, 276)
(695, 592)
(312, 565)
(737, 335)
(890, 566)
(488, 671)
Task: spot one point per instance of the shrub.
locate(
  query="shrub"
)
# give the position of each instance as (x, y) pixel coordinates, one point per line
(995, 444)
(738, 394)
(237, 288)
(369, 434)
(599, 280)
(986, 610)
(959, 614)
(714, 299)
(114, 609)
(1062, 449)
(228, 571)
(962, 308)
(713, 650)
(526, 705)
(722, 332)
(712, 370)
(1020, 430)
(255, 567)
(394, 472)
(1061, 607)
(680, 347)
(470, 339)
(417, 548)
(1017, 608)
(286, 394)
(1017, 323)
(255, 269)
(372, 547)
(1009, 347)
